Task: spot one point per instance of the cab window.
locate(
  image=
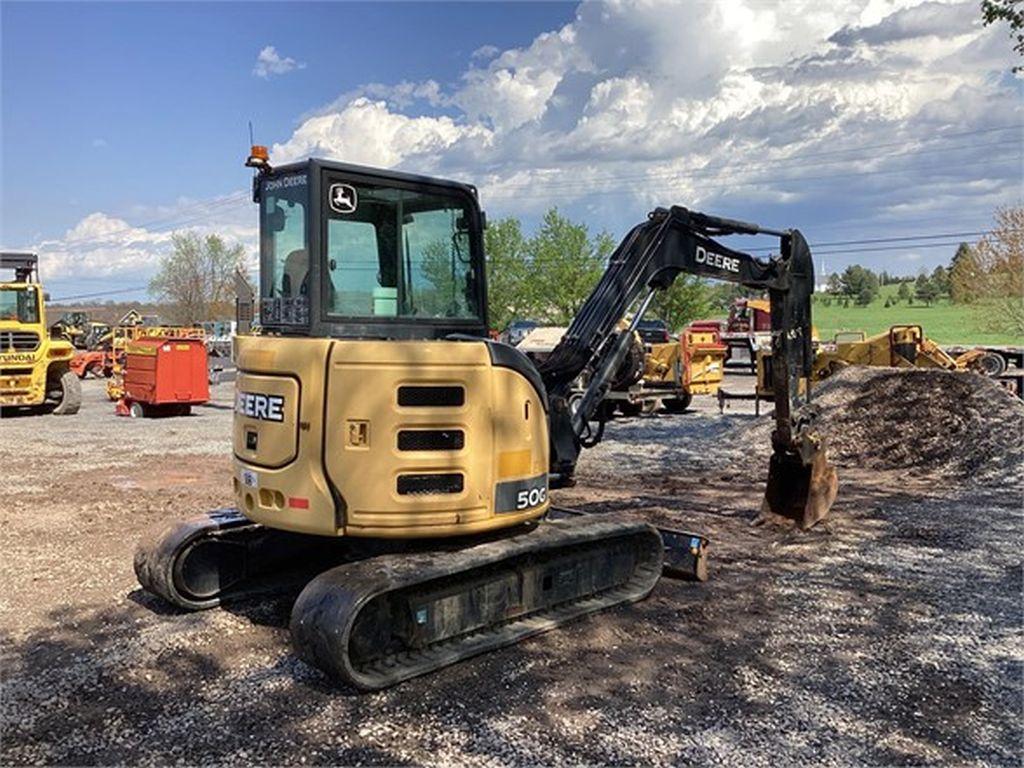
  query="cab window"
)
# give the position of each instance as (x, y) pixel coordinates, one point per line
(20, 305)
(283, 247)
(398, 253)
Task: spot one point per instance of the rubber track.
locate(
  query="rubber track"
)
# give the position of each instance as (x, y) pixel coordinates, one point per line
(328, 608)
(157, 554)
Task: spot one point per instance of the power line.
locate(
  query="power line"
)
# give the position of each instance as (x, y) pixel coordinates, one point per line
(871, 241)
(889, 248)
(101, 293)
(888, 239)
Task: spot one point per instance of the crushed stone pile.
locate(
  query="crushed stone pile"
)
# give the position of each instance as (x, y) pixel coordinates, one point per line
(959, 426)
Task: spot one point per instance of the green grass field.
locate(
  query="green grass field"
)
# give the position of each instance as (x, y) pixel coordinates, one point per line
(943, 322)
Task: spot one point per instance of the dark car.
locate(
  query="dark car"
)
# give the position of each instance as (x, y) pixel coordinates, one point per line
(653, 331)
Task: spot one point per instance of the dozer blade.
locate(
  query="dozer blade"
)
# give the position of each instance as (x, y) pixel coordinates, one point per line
(801, 487)
(378, 622)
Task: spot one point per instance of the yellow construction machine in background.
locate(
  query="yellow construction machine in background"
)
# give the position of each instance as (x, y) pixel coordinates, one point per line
(902, 346)
(661, 374)
(676, 371)
(34, 367)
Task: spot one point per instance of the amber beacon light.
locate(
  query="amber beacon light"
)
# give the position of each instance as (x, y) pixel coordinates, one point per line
(258, 157)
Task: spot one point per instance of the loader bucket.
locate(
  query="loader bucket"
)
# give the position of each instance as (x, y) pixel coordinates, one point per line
(800, 487)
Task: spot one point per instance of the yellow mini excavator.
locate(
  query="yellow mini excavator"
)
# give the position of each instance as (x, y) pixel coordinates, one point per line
(379, 431)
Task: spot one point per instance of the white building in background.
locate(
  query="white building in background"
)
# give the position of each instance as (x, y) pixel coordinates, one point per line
(821, 278)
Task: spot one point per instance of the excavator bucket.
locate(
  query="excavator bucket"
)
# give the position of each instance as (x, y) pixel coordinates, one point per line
(802, 485)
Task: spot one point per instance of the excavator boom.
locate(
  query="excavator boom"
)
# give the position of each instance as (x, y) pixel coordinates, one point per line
(802, 485)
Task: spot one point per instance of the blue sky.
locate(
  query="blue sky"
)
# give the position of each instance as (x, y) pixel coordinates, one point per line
(851, 120)
(166, 90)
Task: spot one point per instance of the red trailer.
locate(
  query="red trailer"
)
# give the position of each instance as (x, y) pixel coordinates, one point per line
(164, 377)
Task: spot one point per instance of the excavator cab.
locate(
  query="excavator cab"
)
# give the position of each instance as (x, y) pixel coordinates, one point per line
(394, 256)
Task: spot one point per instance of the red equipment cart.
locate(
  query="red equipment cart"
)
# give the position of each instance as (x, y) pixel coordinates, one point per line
(164, 377)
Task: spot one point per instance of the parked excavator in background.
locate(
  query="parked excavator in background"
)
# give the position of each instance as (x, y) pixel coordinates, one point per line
(375, 419)
(658, 371)
(71, 326)
(34, 368)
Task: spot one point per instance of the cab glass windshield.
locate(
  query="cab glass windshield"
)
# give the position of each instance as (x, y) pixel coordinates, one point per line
(19, 304)
(394, 252)
(284, 252)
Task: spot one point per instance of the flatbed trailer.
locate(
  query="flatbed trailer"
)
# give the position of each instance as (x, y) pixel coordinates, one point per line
(1012, 357)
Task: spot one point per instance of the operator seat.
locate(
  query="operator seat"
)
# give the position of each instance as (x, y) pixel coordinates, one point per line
(295, 281)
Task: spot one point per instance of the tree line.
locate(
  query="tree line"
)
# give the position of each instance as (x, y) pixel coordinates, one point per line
(988, 274)
(861, 286)
(547, 275)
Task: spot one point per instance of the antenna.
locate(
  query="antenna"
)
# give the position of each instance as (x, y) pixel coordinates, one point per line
(251, 139)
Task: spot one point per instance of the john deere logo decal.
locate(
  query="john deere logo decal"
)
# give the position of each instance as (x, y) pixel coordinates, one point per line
(259, 406)
(343, 198)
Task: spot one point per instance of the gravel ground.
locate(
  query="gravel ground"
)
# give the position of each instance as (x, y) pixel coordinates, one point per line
(892, 634)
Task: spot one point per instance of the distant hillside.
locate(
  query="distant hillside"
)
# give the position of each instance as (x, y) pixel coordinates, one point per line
(943, 322)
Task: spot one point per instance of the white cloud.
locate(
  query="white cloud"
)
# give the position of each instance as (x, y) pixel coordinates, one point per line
(109, 248)
(844, 118)
(367, 132)
(269, 62)
(929, 19)
(405, 93)
(486, 52)
(517, 85)
(793, 107)
(99, 143)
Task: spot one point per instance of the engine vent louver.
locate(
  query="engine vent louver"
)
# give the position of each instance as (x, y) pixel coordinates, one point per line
(426, 396)
(431, 440)
(19, 341)
(419, 485)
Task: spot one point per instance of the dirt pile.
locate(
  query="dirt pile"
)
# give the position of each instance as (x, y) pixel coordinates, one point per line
(958, 426)
(962, 426)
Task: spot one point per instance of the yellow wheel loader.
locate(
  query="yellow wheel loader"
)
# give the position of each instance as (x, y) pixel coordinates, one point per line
(377, 426)
(35, 369)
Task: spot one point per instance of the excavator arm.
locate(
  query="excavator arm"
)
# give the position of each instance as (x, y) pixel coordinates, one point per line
(802, 485)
